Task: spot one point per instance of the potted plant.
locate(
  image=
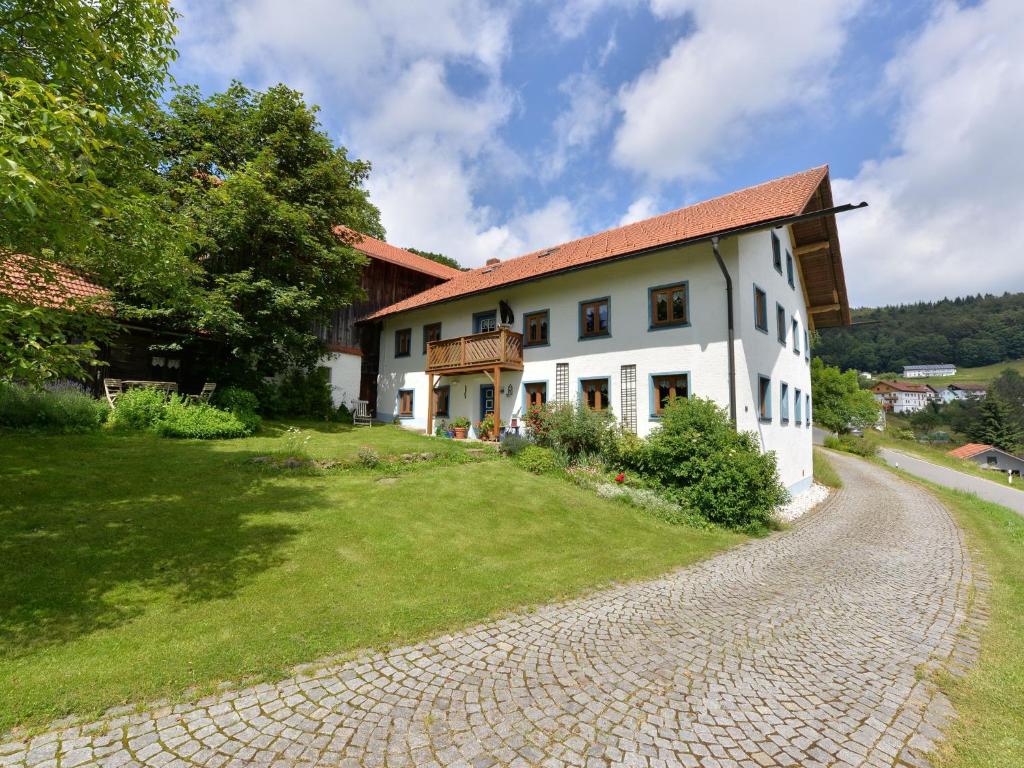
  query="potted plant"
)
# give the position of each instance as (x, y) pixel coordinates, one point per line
(441, 430)
(460, 426)
(487, 429)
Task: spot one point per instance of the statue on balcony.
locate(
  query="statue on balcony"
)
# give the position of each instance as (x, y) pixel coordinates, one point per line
(507, 316)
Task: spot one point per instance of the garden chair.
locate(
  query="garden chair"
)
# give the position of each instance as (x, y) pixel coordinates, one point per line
(112, 388)
(361, 414)
(205, 395)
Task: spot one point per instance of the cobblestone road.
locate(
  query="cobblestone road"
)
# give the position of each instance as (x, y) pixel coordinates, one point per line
(799, 649)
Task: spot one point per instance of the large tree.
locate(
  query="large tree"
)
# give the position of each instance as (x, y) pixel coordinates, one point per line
(259, 187)
(839, 402)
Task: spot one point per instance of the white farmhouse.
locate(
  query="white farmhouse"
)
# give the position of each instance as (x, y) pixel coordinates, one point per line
(901, 397)
(963, 392)
(714, 300)
(924, 371)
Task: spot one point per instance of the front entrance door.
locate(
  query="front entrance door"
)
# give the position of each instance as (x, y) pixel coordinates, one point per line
(486, 399)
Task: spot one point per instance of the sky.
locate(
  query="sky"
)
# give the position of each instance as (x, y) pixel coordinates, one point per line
(498, 128)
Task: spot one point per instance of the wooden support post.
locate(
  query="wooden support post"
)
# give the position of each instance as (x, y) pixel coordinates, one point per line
(430, 404)
(497, 403)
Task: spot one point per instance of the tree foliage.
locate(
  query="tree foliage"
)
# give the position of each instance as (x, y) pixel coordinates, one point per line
(440, 258)
(839, 402)
(259, 186)
(972, 331)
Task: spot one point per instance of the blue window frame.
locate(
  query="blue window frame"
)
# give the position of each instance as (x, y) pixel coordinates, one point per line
(776, 253)
(796, 337)
(807, 346)
(760, 309)
(780, 320)
(595, 392)
(764, 398)
(537, 328)
(668, 306)
(807, 409)
(789, 270)
(403, 342)
(798, 407)
(405, 403)
(784, 402)
(595, 318)
(663, 388)
(534, 393)
(485, 321)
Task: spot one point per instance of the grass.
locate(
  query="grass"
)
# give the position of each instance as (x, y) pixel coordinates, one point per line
(137, 568)
(824, 472)
(982, 375)
(989, 700)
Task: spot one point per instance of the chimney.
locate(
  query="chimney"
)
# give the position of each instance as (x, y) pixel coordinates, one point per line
(492, 262)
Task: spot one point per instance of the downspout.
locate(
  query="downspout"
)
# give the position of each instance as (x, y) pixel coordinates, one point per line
(732, 330)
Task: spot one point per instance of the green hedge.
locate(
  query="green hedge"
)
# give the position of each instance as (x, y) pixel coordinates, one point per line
(63, 409)
(199, 421)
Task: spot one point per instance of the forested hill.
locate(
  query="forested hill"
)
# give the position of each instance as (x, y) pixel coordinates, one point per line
(972, 331)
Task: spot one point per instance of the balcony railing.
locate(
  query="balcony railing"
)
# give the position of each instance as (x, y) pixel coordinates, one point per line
(501, 348)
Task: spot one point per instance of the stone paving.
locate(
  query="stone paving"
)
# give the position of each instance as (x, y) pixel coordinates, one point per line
(804, 649)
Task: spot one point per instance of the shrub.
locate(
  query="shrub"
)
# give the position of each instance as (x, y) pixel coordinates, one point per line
(138, 408)
(513, 444)
(441, 428)
(622, 449)
(575, 430)
(705, 465)
(303, 394)
(862, 446)
(538, 424)
(199, 421)
(63, 409)
(486, 428)
(368, 457)
(904, 434)
(343, 415)
(538, 460)
(242, 403)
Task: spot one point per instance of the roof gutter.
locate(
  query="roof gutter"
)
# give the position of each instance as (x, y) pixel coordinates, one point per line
(777, 222)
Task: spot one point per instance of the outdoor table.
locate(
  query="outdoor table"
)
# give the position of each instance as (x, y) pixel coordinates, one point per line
(166, 386)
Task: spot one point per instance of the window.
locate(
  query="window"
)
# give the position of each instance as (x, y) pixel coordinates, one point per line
(536, 393)
(760, 310)
(807, 346)
(669, 305)
(776, 253)
(442, 396)
(535, 328)
(784, 402)
(431, 332)
(807, 408)
(764, 398)
(595, 393)
(798, 407)
(485, 321)
(789, 270)
(666, 387)
(992, 461)
(796, 337)
(405, 403)
(595, 320)
(780, 321)
(403, 342)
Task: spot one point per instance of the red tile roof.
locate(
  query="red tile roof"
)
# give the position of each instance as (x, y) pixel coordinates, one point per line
(787, 196)
(378, 249)
(966, 451)
(29, 280)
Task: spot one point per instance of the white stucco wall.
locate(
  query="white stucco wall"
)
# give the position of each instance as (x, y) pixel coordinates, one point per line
(699, 349)
(344, 376)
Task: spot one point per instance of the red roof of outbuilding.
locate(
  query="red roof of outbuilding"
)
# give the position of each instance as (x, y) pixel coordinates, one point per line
(378, 249)
(787, 196)
(29, 280)
(966, 451)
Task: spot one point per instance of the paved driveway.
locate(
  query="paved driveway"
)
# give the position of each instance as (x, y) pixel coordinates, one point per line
(986, 489)
(797, 649)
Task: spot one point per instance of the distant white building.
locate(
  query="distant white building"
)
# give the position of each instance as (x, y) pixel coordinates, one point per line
(963, 392)
(921, 371)
(901, 397)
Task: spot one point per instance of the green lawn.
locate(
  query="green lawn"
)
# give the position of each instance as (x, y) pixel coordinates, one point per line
(137, 568)
(937, 455)
(989, 700)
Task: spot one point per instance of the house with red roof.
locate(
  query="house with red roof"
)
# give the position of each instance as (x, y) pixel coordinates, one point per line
(715, 300)
(902, 396)
(35, 282)
(390, 275)
(989, 457)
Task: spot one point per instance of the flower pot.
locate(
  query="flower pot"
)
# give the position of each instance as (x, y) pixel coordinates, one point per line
(460, 432)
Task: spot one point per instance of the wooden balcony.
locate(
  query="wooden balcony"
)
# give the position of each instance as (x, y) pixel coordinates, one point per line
(478, 352)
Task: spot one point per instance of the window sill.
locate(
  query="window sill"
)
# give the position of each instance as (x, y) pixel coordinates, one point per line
(667, 326)
(538, 344)
(762, 330)
(595, 336)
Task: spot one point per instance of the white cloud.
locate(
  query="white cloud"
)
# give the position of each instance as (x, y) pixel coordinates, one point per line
(745, 62)
(588, 113)
(643, 207)
(947, 208)
(571, 17)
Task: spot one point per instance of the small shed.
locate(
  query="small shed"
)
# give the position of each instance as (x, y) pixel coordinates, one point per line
(989, 457)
